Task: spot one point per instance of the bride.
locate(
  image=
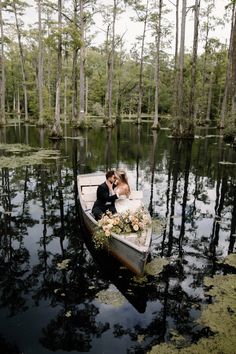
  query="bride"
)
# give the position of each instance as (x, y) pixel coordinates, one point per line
(122, 188)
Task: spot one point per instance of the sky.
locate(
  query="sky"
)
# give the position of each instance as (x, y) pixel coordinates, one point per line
(130, 30)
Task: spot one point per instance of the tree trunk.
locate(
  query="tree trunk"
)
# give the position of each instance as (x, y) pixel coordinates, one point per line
(40, 68)
(74, 71)
(56, 132)
(3, 79)
(176, 33)
(81, 66)
(86, 95)
(65, 98)
(119, 94)
(179, 128)
(18, 103)
(194, 61)
(224, 107)
(48, 76)
(74, 86)
(203, 105)
(140, 95)
(22, 61)
(209, 99)
(110, 68)
(176, 58)
(157, 66)
(233, 61)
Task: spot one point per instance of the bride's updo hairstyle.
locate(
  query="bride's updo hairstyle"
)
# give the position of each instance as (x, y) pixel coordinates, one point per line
(123, 178)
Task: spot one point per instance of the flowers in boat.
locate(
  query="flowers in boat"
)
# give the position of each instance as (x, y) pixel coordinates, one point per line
(121, 223)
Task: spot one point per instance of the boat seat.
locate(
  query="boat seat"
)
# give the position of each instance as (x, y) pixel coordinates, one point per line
(94, 180)
(89, 200)
(88, 190)
(90, 197)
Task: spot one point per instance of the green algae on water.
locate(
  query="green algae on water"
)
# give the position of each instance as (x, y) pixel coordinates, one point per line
(16, 148)
(230, 260)
(219, 317)
(34, 158)
(158, 225)
(111, 297)
(156, 266)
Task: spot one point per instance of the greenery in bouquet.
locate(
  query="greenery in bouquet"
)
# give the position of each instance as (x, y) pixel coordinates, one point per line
(121, 223)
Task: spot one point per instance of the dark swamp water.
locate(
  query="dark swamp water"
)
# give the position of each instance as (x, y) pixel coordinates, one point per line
(94, 305)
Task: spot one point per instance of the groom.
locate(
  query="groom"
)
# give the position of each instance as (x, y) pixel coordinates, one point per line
(105, 197)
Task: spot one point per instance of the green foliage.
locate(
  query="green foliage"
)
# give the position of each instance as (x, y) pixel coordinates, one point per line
(126, 67)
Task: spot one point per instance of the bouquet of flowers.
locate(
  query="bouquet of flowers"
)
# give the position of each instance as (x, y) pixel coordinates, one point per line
(122, 223)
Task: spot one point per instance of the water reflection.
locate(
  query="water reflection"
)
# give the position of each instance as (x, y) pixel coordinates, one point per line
(40, 228)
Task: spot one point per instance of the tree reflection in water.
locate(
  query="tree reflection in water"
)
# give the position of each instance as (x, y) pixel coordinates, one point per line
(40, 228)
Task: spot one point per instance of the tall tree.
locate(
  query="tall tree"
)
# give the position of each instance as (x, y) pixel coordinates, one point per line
(56, 132)
(224, 108)
(81, 71)
(192, 96)
(174, 108)
(110, 68)
(40, 65)
(80, 19)
(157, 31)
(17, 7)
(233, 61)
(181, 128)
(142, 12)
(2, 68)
(209, 22)
(111, 18)
(75, 45)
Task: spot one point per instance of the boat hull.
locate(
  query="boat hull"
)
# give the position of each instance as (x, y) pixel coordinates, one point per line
(130, 255)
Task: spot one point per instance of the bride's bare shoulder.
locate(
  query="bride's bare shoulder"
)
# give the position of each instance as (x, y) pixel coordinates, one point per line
(126, 189)
(122, 189)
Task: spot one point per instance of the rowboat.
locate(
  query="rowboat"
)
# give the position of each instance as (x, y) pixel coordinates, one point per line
(132, 249)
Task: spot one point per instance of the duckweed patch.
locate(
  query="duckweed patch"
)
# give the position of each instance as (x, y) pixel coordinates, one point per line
(158, 225)
(111, 297)
(34, 158)
(230, 260)
(16, 148)
(156, 266)
(140, 279)
(219, 317)
(177, 338)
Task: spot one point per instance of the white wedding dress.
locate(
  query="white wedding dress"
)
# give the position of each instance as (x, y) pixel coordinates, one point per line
(123, 203)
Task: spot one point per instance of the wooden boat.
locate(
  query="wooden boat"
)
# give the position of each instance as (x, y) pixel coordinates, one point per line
(132, 249)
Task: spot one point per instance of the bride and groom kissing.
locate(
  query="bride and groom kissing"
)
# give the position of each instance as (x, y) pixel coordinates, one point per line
(112, 195)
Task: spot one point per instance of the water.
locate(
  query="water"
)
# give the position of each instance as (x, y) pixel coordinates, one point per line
(95, 305)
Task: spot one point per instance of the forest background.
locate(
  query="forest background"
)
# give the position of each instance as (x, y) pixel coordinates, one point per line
(75, 59)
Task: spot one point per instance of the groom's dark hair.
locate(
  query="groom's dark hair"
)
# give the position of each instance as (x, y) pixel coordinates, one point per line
(110, 174)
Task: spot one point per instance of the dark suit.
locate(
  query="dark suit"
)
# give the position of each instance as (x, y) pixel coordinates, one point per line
(104, 201)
